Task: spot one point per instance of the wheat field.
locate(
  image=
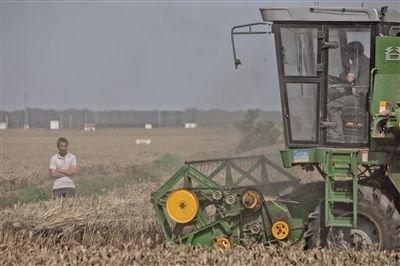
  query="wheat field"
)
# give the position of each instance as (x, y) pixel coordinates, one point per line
(25, 154)
(118, 225)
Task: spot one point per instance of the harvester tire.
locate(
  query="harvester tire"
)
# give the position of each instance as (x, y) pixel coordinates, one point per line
(372, 203)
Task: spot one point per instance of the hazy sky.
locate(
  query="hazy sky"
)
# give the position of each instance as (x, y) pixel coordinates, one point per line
(138, 55)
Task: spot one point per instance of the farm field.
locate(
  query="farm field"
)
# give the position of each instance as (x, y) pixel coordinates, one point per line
(112, 220)
(25, 155)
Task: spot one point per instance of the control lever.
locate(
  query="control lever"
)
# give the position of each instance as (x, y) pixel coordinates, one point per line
(327, 45)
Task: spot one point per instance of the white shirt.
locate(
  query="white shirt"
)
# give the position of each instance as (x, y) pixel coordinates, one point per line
(59, 162)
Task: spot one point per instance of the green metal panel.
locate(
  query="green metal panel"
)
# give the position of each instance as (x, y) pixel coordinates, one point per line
(292, 157)
(385, 87)
(386, 77)
(387, 54)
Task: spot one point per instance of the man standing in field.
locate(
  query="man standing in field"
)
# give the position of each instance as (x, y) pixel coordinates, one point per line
(62, 168)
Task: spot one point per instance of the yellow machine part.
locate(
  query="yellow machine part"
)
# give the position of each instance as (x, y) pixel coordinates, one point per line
(182, 205)
(223, 242)
(251, 199)
(280, 230)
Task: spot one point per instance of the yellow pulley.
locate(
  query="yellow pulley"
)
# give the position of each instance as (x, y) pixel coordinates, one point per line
(251, 199)
(223, 242)
(182, 205)
(280, 230)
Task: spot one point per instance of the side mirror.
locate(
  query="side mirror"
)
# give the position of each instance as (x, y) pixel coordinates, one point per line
(249, 30)
(237, 62)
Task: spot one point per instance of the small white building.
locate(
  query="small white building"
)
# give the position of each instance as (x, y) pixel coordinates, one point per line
(191, 125)
(54, 125)
(3, 126)
(148, 126)
(89, 127)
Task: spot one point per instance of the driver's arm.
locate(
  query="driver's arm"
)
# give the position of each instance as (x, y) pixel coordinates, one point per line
(350, 77)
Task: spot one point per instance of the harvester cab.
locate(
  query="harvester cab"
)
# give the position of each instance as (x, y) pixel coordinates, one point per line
(339, 79)
(324, 58)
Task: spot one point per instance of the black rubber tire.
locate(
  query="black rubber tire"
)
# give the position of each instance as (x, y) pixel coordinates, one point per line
(372, 202)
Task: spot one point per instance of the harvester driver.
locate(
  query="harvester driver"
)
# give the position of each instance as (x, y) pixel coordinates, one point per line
(357, 80)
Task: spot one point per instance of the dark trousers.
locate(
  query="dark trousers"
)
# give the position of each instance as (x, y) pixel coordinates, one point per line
(65, 192)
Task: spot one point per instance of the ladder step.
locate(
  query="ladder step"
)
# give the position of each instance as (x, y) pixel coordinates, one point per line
(340, 161)
(346, 176)
(340, 200)
(340, 196)
(343, 221)
(339, 220)
(340, 166)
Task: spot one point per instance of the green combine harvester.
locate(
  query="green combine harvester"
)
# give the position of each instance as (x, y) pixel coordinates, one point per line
(339, 77)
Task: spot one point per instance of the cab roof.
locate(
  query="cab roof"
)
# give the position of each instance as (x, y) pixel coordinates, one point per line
(331, 14)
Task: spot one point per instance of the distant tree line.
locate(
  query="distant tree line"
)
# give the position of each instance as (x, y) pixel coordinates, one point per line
(76, 118)
(257, 131)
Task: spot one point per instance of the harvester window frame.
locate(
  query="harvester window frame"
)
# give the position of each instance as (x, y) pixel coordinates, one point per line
(316, 117)
(321, 79)
(324, 109)
(285, 79)
(311, 53)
